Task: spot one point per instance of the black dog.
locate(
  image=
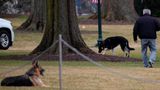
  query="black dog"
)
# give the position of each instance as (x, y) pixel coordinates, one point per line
(30, 78)
(112, 42)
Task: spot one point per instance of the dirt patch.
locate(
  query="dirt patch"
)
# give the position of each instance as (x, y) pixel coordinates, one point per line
(72, 57)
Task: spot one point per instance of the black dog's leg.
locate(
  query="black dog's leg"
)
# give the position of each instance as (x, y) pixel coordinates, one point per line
(125, 49)
(127, 54)
(105, 51)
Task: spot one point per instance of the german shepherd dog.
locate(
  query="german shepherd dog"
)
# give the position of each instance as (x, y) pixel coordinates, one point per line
(111, 42)
(30, 78)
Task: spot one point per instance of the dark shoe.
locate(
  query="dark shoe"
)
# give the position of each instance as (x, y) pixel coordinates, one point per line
(146, 66)
(150, 65)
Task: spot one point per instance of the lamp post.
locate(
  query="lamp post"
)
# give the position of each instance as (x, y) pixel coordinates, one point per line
(99, 41)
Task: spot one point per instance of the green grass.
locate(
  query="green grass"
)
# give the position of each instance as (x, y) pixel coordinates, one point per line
(25, 42)
(76, 63)
(17, 21)
(83, 75)
(70, 63)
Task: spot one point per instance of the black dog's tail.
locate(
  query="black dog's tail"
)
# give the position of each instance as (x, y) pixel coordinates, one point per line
(129, 47)
(3, 83)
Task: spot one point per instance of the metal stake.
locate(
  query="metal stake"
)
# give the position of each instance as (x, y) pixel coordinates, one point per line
(60, 62)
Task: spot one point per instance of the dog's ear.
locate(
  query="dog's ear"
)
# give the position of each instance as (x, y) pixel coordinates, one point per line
(35, 64)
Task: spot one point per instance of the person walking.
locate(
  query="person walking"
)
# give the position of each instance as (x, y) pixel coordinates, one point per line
(145, 28)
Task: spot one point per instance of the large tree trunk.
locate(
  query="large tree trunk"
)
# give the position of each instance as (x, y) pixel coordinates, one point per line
(118, 10)
(154, 5)
(37, 19)
(62, 19)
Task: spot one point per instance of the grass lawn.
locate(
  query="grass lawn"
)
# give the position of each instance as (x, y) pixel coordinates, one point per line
(83, 75)
(25, 42)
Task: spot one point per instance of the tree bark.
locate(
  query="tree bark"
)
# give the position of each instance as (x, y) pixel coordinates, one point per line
(118, 10)
(153, 5)
(62, 19)
(37, 19)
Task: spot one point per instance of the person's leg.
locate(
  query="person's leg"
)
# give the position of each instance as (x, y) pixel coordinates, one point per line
(153, 49)
(144, 44)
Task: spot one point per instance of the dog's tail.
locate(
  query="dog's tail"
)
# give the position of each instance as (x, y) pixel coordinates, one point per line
(129, 47)
(4, 82)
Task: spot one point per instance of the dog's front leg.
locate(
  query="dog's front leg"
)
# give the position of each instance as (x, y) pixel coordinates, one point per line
(37, 81)
(105, 51)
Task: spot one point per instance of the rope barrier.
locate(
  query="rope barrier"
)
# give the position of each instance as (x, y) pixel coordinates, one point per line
(109, 69)
(35, 59)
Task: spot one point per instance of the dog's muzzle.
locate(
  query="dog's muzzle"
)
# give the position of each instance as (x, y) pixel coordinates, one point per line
(42, 72)
(100, 49)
